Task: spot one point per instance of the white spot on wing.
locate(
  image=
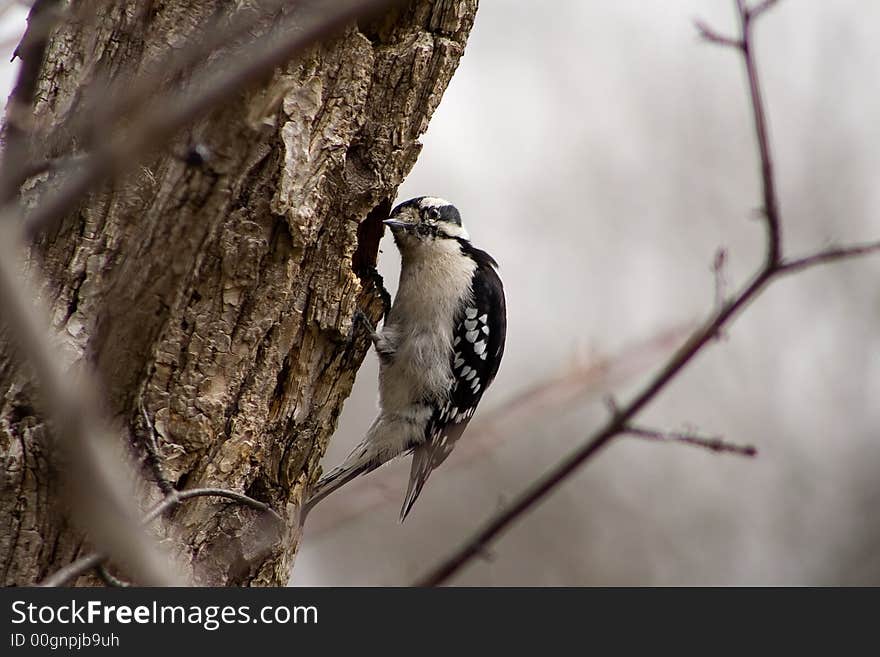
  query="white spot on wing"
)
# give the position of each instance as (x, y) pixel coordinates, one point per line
(433, 202)
(466, 370)
(471, 313)
(486, 330)
(470, 324)
(458, 362)
(484, 318)
(479, 347)
(471, 336)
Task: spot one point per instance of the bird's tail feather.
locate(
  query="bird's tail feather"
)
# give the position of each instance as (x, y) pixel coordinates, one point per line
(336, 478)
(427, 457)
(422, 465)
(386, 439)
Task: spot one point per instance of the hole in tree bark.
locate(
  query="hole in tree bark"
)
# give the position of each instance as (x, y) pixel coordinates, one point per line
(181, 481)
(369, 233)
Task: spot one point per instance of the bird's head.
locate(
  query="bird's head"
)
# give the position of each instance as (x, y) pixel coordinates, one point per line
(425, 221)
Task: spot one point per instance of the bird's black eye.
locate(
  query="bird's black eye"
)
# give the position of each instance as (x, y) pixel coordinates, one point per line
(433, 214)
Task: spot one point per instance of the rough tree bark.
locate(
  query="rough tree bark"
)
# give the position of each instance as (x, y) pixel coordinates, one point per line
(219, 295)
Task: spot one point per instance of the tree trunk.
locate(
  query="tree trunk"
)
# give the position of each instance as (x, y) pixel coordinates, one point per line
(219, 294)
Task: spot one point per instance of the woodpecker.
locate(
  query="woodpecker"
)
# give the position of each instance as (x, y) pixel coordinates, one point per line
(439, 348)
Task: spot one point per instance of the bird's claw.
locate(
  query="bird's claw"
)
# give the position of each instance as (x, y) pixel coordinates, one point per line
(379, 285)
(360, 318)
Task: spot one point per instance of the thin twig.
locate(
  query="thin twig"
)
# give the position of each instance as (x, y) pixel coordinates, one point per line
(759, 116)
(719, 270)
(616, 424)
(153, 459)
(86, 563)
(712, 443)
(760, 8)
(73, 570)
(720, 273)
(790, 266)
(712, 36)
(773, 268)
(35, 168)
(109, 578)
(177, 496)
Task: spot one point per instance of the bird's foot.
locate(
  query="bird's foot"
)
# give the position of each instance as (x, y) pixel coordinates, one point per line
(379, 285)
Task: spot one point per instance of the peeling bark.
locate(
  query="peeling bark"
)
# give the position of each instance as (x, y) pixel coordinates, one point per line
(220, 294)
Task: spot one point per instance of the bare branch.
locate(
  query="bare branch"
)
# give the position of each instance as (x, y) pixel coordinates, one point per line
(827, 256)
(95, 559)
(719, 265)
(719, 270)
(73, 570)
(745, 45)
(611, 404)
(176, 497)
(712, 443)
(760, 8)
(153, 459)
(35, 168)
(768, 178)
(109, 578)
(712, 36)
(616, 425)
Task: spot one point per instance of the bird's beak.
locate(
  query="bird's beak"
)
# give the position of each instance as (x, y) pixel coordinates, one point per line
(394, 223)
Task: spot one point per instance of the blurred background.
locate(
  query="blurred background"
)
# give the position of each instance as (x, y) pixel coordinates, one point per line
(603, 154)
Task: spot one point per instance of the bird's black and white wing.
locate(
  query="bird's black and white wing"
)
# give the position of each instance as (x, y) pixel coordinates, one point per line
(478, 345)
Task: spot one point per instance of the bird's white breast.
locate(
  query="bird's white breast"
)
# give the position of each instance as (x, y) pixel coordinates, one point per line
(435, 281)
